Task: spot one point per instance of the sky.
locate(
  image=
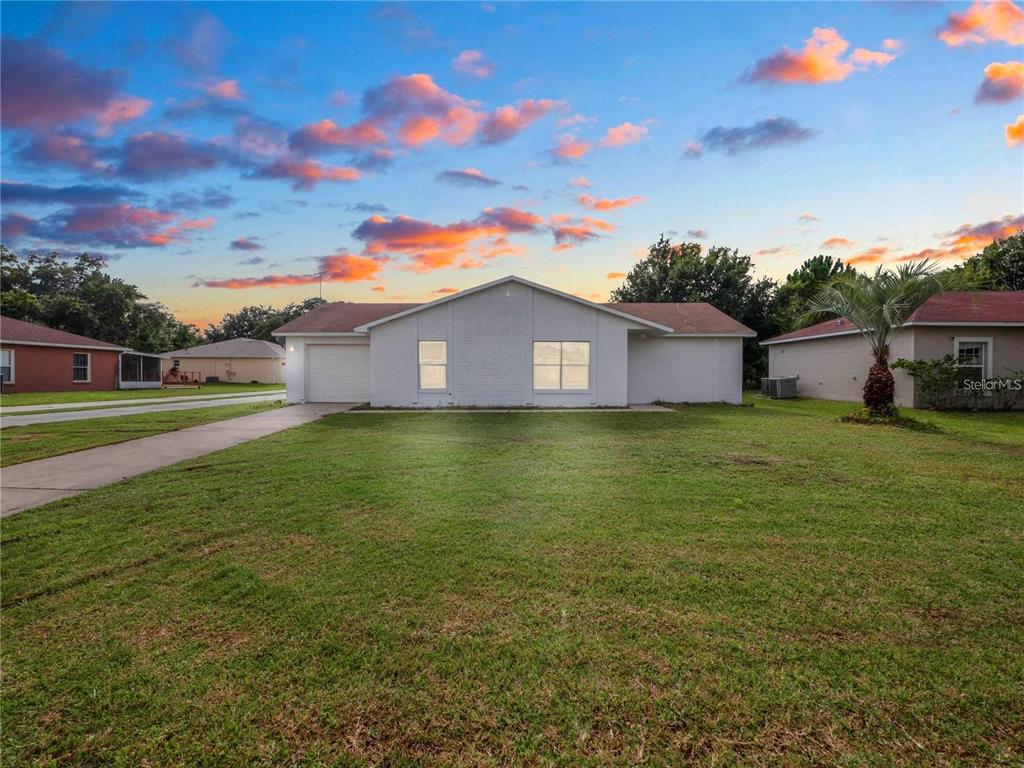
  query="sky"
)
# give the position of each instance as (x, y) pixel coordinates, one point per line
(220, 155)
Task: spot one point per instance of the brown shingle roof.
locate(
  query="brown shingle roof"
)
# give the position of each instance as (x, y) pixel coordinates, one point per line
(996, 307)
(21, 332)
(687, 318)
(681, 318)
(340, 317)
(232, 348)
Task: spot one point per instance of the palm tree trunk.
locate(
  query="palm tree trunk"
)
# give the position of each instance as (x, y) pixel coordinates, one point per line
(880, 387)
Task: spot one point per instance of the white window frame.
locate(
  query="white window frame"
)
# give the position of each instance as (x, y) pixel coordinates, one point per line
(561, 365)
(88, 368)
(420, 364)
(986, 368)
(11, 366)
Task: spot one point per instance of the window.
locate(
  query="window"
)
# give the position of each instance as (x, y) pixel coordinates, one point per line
(433, 359)
(80, 367)
(972, 357)
(561, 365)
(6, 365)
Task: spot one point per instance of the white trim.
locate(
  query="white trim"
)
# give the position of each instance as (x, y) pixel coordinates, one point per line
(969, 324)
(12, 365)
(750, 335)
(88, 368)
(522, 281)
(987, 372)
(66, 346)
(319, 333)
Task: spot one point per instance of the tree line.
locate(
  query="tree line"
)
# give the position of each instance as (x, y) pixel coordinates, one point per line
(78, 295)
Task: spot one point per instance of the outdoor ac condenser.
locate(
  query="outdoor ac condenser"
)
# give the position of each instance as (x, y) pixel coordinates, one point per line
(782, 387)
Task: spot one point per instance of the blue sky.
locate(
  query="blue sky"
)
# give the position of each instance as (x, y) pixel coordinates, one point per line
(168, 137)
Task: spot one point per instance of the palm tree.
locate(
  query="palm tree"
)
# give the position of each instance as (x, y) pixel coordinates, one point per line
(879, 305)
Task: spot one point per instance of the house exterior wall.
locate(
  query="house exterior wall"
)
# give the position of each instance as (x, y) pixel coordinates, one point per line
(48, 369)
(490, 337)
(240, 370)
(685, 369)
(835, 368)
(931, 341)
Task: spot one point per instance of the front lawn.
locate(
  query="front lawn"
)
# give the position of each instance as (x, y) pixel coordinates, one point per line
(717, 586)
(40, 441)
(46, 398)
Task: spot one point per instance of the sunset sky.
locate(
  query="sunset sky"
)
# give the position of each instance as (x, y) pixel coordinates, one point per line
(223, 154)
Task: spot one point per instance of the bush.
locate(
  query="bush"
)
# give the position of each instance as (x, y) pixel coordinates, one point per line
(943, 386)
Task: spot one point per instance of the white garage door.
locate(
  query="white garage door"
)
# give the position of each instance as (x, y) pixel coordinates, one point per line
(338, 373)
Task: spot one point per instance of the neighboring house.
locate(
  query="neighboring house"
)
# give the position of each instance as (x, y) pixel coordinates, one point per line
(983, 330)
(235, 360)
(34, 358)
(512, 342)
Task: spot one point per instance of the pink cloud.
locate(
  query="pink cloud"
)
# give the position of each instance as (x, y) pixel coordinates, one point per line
(569, 232)
(579, 181)
(571, 148)
(57, 149)
(621, 135)
(305, 174)
(119, 225)
(337, 268)
(837, 242)
(985, 22)
(1004, 81)
(326, 134)
(823, 59)
(121, 110)
(1015, 132)
(473, 63)
(226, 90)
(246, 244)
(505, 122)
(164, 155)
(605, 204)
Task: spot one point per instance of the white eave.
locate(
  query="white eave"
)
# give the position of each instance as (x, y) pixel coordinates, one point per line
(514, 279)
(63, 346)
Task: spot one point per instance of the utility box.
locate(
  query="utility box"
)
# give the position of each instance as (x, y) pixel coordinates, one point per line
(781, 387)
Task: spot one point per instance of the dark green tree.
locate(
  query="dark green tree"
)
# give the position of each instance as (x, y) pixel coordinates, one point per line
(258, 321)
(997, 267)
(721, 277)
(78, 296)
(802, 285)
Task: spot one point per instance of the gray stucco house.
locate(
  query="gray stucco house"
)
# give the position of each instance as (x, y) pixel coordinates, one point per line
(513, 342)
(983, 330)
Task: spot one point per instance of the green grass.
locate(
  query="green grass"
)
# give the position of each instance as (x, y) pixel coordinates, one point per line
(717, 586)
(47, 398)
(40, 441)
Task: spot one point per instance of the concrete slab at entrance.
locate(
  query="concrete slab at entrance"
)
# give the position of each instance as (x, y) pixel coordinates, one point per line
(23, 486)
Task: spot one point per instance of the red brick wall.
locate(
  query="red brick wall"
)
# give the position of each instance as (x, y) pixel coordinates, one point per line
(48, 369)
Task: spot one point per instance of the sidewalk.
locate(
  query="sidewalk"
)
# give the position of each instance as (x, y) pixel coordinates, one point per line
(106, 413)
(23, 486)
(86, 404)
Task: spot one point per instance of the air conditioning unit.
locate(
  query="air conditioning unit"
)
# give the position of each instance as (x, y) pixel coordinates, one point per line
(782, 387)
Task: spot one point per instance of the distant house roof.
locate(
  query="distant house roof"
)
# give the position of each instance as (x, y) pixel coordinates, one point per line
(686, 319)
(232, 348)
(340, 317)
(21, 332)
(949, 308)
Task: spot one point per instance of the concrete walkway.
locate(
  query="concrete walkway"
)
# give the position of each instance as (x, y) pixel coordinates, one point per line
(107, 413)
(85, 404)
(23, 486)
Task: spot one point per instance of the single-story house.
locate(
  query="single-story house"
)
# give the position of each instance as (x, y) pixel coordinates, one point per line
(34, 358)
(983, 330)
(512, 342)
(235, 360)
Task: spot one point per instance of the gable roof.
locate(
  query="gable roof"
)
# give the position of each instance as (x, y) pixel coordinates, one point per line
(686, 318)
(689, 319)
(522, 281)
(22, 332)
(232, 348)
(948, 308)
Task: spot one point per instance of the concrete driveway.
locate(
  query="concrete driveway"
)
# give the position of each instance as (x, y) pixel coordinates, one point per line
(23, 420)
(23, 486)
